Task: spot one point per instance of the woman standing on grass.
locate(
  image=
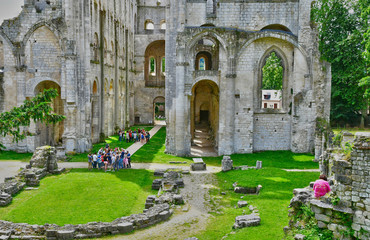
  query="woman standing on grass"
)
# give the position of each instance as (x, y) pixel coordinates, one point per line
(321, 186)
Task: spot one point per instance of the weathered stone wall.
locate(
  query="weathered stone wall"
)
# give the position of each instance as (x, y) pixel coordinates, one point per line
(238, 75)
(145, 95)
(242, 14)
(346, 210)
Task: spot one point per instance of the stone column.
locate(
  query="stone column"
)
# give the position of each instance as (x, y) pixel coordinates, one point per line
(227, 110)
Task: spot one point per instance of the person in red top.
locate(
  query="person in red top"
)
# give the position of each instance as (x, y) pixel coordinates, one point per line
(321, 186)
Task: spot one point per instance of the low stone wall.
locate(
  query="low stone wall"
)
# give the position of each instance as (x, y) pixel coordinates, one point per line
(122, 225)
(346, 210)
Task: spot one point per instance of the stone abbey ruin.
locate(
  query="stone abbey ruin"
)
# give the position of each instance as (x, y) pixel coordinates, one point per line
(196, 63)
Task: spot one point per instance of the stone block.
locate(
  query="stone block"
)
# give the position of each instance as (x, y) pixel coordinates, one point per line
(178, 200)
(247, 221)
(259, 165)
(321, 224)
(159, 172)
(198, 165)
(125, 227)
(227, 164)
(164, 215)
(316, 209)
(242, 204)
(65, 235)
(322, 217)
(299, 237)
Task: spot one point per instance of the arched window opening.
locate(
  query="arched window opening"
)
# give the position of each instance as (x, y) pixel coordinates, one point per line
(152, 66)
(96, 47)
(149, 25)
(155, 64)
(203, 61)
(164, 66)
(163, 25)
(95, 88)
(272, 82)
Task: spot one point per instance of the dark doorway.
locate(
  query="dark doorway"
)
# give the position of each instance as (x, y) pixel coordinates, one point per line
(204, 116)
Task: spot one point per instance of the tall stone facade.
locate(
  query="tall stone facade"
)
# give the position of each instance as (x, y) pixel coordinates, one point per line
(117, 63)
(236, 37)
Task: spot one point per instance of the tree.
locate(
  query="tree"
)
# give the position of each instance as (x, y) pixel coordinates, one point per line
(272, 73)
(37, 109)
(341, 42)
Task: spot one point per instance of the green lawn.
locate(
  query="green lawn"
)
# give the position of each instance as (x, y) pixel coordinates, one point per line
(272, 202)
(13, 156)
(155, 152)
(351, 130)
(113, 143)
(81, 196)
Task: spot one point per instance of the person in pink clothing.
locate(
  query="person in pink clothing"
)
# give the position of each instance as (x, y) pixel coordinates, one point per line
(321, 186)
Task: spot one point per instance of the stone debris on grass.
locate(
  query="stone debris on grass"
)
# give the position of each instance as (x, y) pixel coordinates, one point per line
(242, 204)
(247, 221)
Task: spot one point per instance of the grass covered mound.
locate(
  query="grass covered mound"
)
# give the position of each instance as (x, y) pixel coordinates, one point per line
(81, 196)
(272, 202)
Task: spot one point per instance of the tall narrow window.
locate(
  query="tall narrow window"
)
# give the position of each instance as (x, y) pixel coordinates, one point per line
(152, 66)
(202, 63)
(164, 65)
(272, 81)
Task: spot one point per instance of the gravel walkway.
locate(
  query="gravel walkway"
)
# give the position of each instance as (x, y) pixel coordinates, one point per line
(188, 220)
(10, 169)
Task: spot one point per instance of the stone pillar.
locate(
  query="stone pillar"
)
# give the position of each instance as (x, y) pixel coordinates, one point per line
(227, 164)
(227, 111)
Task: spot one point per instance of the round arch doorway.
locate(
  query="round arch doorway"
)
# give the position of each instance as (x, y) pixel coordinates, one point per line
(205, 118)
(51, 134)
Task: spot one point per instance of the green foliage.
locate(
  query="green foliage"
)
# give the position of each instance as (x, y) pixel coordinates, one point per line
(82, 196)
(341, 42)
(37, 109)
(337, 140)
(335, 201)
(348, 147)
(313, 232)
(272, 73)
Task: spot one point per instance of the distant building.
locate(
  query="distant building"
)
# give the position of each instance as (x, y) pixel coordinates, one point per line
(271, 99)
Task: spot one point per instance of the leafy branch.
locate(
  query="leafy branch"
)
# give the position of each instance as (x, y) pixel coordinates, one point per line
(37, 109)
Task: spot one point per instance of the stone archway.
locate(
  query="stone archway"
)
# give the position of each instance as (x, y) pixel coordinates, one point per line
(205, 118)
(159, 109)
(51, 134)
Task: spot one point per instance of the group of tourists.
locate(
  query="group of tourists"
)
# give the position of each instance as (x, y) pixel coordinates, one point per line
(139, 135)
(110, 159)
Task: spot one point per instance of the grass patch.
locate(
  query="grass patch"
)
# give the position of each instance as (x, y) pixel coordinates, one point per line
(82, 196)
(113, 143)
(272, 202)
(350, 130)
(278, 159)
(14, 156)
(154, 151)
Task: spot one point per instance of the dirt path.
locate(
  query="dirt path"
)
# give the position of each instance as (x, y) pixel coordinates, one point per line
(183, 224)
(10, 169)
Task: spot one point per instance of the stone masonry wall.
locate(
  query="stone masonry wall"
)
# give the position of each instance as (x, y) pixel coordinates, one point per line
(346, 210)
